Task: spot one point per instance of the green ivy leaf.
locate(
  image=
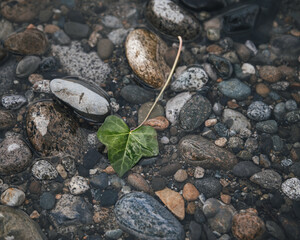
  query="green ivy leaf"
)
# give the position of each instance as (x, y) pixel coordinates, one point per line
(125, 147)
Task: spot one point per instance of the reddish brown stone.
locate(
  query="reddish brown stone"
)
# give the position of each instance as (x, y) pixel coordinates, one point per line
(159, 123)
(262, 89)
(214, 49)
(190, 192)
(138, 182)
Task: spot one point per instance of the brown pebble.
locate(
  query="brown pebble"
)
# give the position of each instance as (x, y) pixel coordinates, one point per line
(262, 89)
(35, 187)
(190, 192)
(270, 74)
(287, 72)
(109, 170)
(191, 208)
(35, 214)
(51, 28)
(138, 182)
(210, 122)
(159, 123)
(214, 49)
(232, 105)
(225, 198)
(180, 175)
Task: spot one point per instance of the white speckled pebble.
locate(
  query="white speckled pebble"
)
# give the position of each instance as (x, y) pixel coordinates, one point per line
(291, 188)
(78, 185)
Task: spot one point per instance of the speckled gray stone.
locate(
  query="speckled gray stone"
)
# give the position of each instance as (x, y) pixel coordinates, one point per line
(78, 185)
(13, 101)
(234, 88)
(268, 179)
(259, 111)
(142, 216)
(43, 170)
(291, 188)
(269, 126)
(293, 116)
(210, 186)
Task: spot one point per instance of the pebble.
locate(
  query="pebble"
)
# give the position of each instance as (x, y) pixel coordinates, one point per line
(195, 230)
(180, 175)
(219, 215)
(170, 169)
(239, 121)
(173, 200)
(7, 75)
(210, 187)
(221, 142)
(108, 198)
(61, 171)
(15, 155)
(292, 116)
(48, 64)
(192, 79)
(13, 102)
(111, 21)
(6, 28)
(7, 119)
(138, 182)
(269, 126)
(27, 66)
(118, 36)
(76, 30)
(47, 201)
(91, 158)
(268, 179)
(290, 105)
(235, 89)
(190, 192)
(290, 226)
(135, 94)
(295, 168)
(213, 34)
(262, 89)
(159, 123)
(18, 225)
(113, 234)
(99, 181)
(29, 42)
(89, 101)
(158, 183)
(247, 225)
(78, 185)
(61, 38)
(247, 68)
(199, 172)
(145, 54)
(245, 169)
(172, 20)
(291, 188)
(105, 48)
(144, 109)
(174, 106)
(13, 197)
(270, 74)
(194, 112)
(280, 86)
(198, 151)
(72, 210)
(43, 170)
(222, 65)
(258, 111)
(136, 210)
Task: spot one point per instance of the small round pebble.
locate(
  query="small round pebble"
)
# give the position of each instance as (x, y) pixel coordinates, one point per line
(199, 172)
(47, 201)
(291, 105)
(164, 140)
(180, 175)
(221, 142)
(259, 111)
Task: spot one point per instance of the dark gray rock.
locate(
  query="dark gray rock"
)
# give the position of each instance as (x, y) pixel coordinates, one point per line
(268, 179)
(108, 198)
(27, 65)
(16, 224)
(295, 168)
(47, 200)
(61, 38)
(76, 30)
(269, 126)
(278, 143)
(7, 119)
(194, 112)
(137, 95)
(195, 230)
(13, 101)
(275, 230)
(170, 169)
(279, 111)
(259, 111)
(158, 183)
(207, 5)
(99, 181)
(234, 88)
(293, 116)
(142, 216)
(72, 210)
(222, 65)
(210, 187)
(245, 169)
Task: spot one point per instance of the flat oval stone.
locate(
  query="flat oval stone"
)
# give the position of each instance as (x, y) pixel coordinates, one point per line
(172, 20)
(142, 216)
(145, 54)
(15, 155)
(27, 65)
(76, 30)
(16, 224)
(192, 79)
(234, 88)
(13, 101)
(194, 112)
(89, 101)
(29, 42)
(53, 130)
(198, 151)
(135, 94)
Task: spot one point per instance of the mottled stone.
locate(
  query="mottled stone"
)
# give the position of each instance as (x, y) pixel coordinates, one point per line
(291, 188)
(159, 123)
(194, 112)
(222, 65)
(144, 52)
(292, 116)
(16, 224)
(234, 88)
(7, 119)
(239, 121)
(13, 101)
(247, 225)
(43, 170)
(172, 20)
(12, 197)
(210, 187)
(270, 74)
(29, 42)
(142, 216)
(78, 185)
(259, 111)
(199, 151)
(268, 179)
(15, 155)
(269, 126)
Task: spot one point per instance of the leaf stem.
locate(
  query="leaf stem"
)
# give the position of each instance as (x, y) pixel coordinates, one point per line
(166, 84)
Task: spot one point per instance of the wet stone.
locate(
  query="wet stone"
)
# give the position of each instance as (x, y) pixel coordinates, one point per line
(72, 210)
(105, 48)
(279, 111)
(61, 38)
(78, 185)
(222, 65)
(145, 54)
(275, 230)
(52, 129)
(158, 183)
(18, 225)
(27, 66)
(293, 116)
(142, 216)
(76, 30)
(89, 101)
(144, 109)
(108, 198)
(170, 19)
(210, 187)
(269, 126)
(159, 123)
(219, 215)
(47, 201)
(99, 181)
(48, 64)
(192, 79)
(7, 119)
(170, 169)
(29, 42)
(136, 94)
(291, 188)
(240, 122)
(235, 89)
(195, 230)
(13, 101)
(259, 111)
(43, 170)
(194, 112)
(198, 151)
(15, 155)
(268, 179)
(270, 74)
(138, 182)
(13, 197)
(245, 169)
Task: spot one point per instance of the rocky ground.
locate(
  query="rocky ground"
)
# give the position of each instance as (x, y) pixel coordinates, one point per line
(228, 125)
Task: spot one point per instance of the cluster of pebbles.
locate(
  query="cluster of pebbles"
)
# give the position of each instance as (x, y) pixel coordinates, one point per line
(228, 125)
